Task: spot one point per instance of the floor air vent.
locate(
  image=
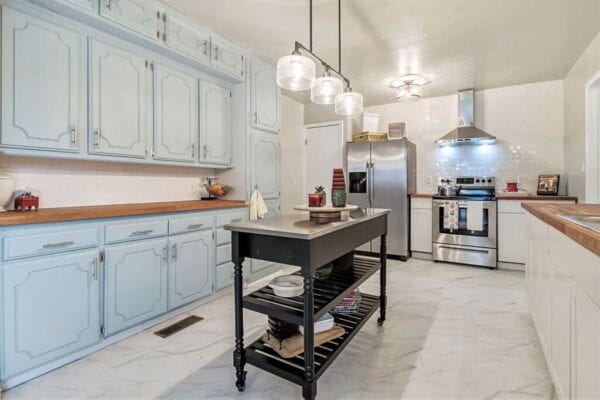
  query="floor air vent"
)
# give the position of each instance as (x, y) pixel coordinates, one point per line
(178, 326)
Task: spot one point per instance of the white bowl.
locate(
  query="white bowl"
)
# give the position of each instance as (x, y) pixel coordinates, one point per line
(287, 285)
(324, 324)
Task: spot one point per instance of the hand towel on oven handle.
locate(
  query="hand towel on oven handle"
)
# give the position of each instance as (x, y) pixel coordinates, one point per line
(451, 215)
(475, 215)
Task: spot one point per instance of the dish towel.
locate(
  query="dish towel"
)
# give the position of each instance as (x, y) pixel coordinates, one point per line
(258, 208)
(451, 215)
(475, 215)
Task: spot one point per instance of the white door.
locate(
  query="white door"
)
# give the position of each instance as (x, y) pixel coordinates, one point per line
(324, 152)
(121, 101)
(176, 99)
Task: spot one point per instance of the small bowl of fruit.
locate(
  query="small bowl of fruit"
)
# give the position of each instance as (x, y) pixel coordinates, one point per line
(217, 190)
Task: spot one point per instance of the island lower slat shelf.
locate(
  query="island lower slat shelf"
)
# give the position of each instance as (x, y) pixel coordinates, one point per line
(263, 356)
(327, 293)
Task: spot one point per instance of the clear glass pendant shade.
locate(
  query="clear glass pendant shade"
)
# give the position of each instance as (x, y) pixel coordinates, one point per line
(349, 103)
(295, 72)
(409, 92)
(326, 89)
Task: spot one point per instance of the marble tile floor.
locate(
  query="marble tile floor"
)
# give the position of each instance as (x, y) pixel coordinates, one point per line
(452, 332)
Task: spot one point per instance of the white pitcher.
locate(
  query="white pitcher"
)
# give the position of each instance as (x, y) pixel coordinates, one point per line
(7, 187)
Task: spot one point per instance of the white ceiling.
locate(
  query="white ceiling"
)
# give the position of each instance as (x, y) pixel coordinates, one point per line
(457, 44)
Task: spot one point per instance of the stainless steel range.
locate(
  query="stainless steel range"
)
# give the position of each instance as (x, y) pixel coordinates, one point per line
(464, 221)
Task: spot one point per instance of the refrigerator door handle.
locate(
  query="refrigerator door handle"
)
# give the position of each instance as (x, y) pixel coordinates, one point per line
(368, 182)
(372, 183)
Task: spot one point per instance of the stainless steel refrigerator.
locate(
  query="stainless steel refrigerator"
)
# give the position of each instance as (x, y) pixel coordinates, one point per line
(383, 175)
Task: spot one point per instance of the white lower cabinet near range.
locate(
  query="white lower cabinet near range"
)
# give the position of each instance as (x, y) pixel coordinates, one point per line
(420, 225)
(190, 258)
(563, 288)
(511, 229)
(136, 283)
(51, 308)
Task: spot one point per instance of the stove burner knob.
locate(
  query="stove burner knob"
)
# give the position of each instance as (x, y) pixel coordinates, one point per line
(477, 180)
(489, 180)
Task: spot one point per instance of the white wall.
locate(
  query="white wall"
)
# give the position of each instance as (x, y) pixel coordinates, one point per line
(293, 154)
(63, 183)
(586, 66)
(526, 119)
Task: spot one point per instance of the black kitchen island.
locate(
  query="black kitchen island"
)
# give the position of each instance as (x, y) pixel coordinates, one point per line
(295, 240)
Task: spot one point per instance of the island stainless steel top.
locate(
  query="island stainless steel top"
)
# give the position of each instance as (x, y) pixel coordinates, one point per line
(299, 226)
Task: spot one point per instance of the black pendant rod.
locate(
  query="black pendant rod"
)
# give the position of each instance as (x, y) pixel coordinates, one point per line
(310, 24)
(339, 35)
(299, 46)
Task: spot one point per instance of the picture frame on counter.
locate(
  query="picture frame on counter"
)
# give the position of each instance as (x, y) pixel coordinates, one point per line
(548, 185)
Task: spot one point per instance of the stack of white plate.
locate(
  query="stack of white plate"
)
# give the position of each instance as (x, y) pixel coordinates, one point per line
(287, 285)
(324, 324)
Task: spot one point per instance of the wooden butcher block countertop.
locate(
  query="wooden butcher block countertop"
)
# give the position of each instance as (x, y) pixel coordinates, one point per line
(502, 196)
(551, 214)
(111, 210)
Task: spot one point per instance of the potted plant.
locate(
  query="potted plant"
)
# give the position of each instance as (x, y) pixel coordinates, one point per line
(318, 198)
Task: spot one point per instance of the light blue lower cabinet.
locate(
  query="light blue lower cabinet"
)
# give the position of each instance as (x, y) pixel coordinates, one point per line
(224, 276)
(191, 260)
(51, 308)
(136, 283)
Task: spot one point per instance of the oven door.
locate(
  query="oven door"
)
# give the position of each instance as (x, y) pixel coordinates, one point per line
(463, 236)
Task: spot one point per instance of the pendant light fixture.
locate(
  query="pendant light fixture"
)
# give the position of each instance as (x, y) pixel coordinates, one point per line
(297, 72)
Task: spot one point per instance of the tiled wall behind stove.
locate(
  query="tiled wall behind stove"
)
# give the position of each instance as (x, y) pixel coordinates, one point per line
(64, 183)
(526, 119)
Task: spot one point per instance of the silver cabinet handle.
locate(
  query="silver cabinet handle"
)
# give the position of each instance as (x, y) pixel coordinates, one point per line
(465, 250)
(97, 138)
(193, 150)
(142, 233)
(153, 153)
(205, 47)
(194, 226)
(174, 251)
(58, 244)
(96, 268)
(165, 250)
(109, 4)
(74, 135)
(204, 151)
(256, 117)
(235, 220)
(216, 52)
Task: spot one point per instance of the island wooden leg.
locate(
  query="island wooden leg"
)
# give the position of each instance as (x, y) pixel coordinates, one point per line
(239, 354)
(309, 388)
(382, 279)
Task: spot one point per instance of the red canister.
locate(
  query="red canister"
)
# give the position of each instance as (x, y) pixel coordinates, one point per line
(512, 187)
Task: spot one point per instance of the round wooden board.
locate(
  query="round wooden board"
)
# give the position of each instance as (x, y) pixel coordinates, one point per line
(326, 209)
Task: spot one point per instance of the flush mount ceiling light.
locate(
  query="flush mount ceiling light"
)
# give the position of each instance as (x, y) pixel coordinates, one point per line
(297, 72)
(409, 87)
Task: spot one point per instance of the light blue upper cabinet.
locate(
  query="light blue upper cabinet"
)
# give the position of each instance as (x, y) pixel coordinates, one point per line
(176, 132)
(190, 265)
(226, 57)
(90, 6)
(264, 98)
(142, 16)
(121, 101)
(42, 84)
(215, 116)
(135, 283)
(51, 309)
(264, 164)
(186, 37)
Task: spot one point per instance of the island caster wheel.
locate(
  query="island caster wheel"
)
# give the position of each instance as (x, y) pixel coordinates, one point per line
(380, 321)
(241, 381)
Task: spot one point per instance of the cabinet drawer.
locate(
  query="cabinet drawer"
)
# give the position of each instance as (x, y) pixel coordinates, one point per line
(238, 216)
(135, 230)
(223, 236)
(223, 253)
(47, 243)
(224, 276)
(514, 206)
(417, 202)
(190, 224)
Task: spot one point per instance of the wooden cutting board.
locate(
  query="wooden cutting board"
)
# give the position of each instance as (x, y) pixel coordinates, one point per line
(294, 345)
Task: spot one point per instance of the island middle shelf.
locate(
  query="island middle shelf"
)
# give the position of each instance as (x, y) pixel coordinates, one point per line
(328, 293)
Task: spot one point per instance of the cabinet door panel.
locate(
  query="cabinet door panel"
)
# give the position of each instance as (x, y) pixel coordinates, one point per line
(138, 15)
(51, 309)
(264, 101)
(42, 84)
(215, 133)
(122, 101)
(560, 328)
(136, 283)
(227, 58)
(176, 115)
(585, 346)
(185, 37)
(420, 226)
(511, 238)
(190, 266)
(264, 164)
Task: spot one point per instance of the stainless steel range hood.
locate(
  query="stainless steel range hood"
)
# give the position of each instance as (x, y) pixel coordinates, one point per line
(466, 133)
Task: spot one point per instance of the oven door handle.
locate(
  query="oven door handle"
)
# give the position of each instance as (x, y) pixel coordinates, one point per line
(467, 250)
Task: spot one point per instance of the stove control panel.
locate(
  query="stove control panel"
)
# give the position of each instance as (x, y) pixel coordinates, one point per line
(469, 181)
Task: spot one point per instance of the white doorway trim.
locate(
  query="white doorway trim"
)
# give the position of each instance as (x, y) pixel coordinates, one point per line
(592, 140)
(340, 125)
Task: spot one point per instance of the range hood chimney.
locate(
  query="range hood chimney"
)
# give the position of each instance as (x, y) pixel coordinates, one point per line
(466, 133)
